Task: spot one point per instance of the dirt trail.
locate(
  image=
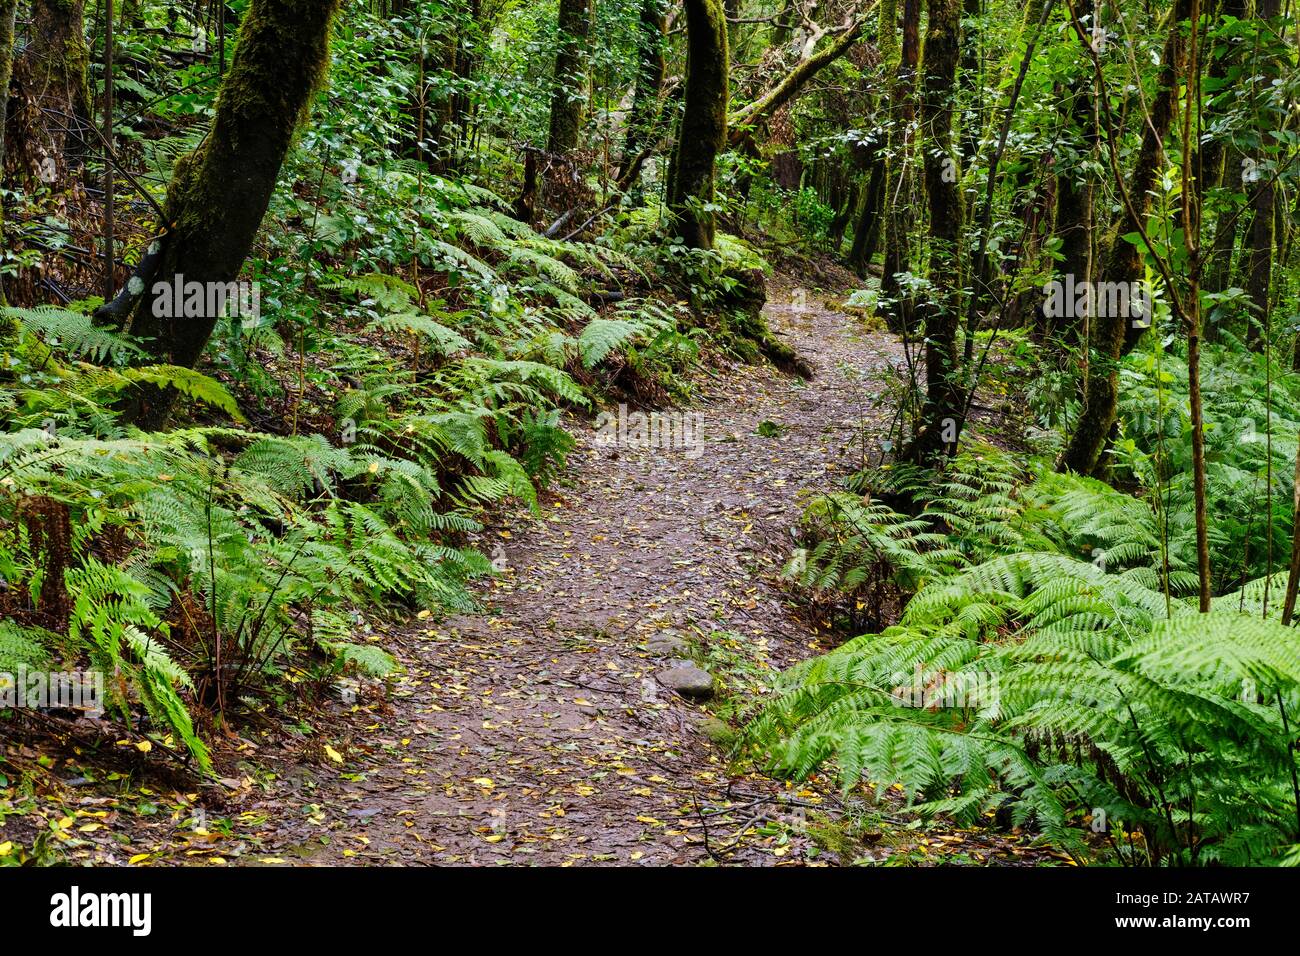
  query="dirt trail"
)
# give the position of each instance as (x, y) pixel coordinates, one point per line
(537, 733)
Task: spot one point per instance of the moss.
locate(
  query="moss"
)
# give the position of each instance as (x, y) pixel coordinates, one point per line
(566, 103)
(1113, 335)
(220, 192)
(8, 9)
(55, 68)
(703, 131)
(642, 118)
(944, 399)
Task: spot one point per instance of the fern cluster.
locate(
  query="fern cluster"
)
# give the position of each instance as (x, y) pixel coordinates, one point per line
(1046, 665)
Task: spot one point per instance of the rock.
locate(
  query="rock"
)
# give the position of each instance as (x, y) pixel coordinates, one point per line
(687, 680)
(667, 645)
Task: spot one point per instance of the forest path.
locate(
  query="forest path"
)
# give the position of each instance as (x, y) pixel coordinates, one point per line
(537, 732)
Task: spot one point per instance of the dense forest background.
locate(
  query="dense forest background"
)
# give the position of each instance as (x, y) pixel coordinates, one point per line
(301, 297)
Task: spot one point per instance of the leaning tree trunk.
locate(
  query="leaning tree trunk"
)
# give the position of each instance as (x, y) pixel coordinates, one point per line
(703, 131)
(8, 10)
(943, 393)
(1114, 335)
(570, 79)
(220, 192)
(644, 115)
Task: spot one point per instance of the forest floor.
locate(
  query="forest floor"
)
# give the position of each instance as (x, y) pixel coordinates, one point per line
(538, 731)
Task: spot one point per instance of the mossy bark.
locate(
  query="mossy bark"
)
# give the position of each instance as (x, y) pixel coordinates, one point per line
(1074, 192)
(53, 72)
(789, 85)
(943, 393)
(898, 180)
(866, 231)
(8, 10)
(703, 131)
(642, 117)
(1114, 335)
(220, 192)
(570, 79)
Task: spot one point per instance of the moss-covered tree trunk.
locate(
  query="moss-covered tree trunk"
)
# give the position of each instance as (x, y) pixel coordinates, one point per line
(8, 10)
(220, 192)
(942, 409)
(55, 120)
(570, 79)
(1114, 334)
(898, 180)
(644, 114)
(703, 131)
(1074, 187)
(866, 229)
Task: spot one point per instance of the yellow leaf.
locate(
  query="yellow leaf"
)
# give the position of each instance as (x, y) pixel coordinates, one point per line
(138, 858)
(497, 838)
(64, 823)
(90, 827)
(144, 746)
(484, 782)
(423, 614)
(333, 754)
(6, 848)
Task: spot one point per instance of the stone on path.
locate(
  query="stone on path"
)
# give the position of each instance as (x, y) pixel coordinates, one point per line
(688, 680)
(667, 645)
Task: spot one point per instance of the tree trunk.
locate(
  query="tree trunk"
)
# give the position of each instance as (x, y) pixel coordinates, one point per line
(220, 192)
(1114, 335)
(1263, 198)
(943, 392)
(867, 230)
(794, 81)
(1074, 190)
(898, 179)
(703, 132)
(8, 9)
(643, 116)
(570, 79)
(1293, 573)
(1218, 268)
(52, 73)
(1216, 165)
